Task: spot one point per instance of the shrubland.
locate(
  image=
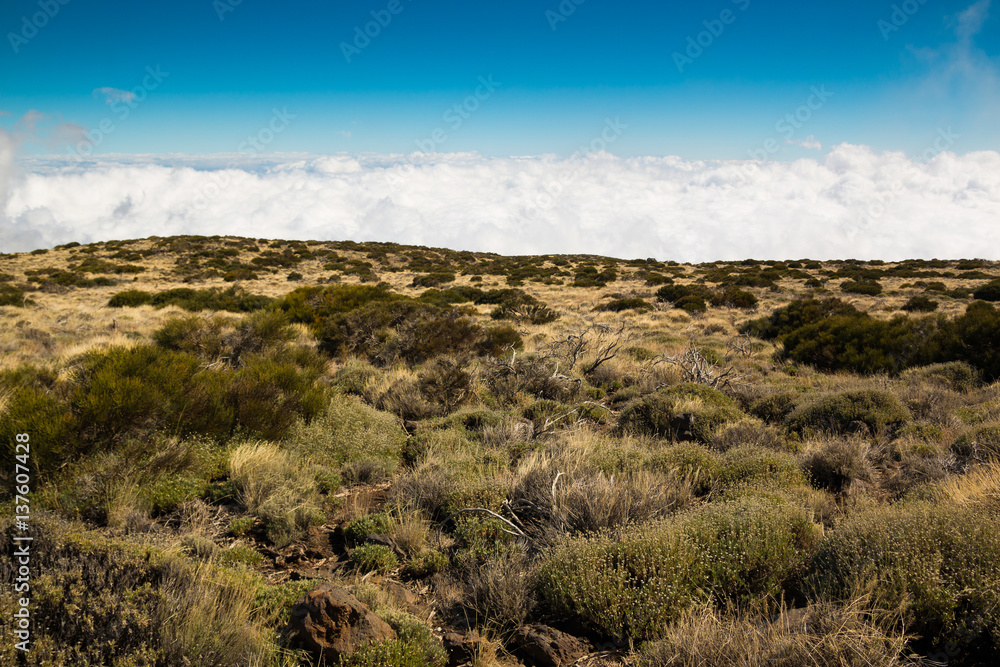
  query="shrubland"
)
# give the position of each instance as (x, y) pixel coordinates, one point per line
(749, 463)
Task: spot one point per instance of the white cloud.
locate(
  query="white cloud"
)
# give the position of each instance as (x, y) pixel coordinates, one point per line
(810, 143)
(853, 202)
(112, 95)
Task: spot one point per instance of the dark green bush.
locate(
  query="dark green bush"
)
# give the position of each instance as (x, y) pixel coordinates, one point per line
(130, 299)
(868, 288)
(988, 292)
(674, 293)
(862, 344)
(878, 410)
(920, 304)
(735, 298)
(433, 279)
(233, 299)
(797, 314)
(774, 408)
(619, 305)
(691, 304)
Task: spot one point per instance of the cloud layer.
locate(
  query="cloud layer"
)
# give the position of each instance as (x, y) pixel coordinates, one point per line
(853, 202)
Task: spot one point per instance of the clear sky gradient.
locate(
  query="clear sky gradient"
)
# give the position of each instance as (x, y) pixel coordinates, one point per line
(560, 71)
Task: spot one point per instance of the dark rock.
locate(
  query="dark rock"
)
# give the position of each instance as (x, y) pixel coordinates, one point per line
(462, 649)
(682, 426)
(548, 647)
(331, 622)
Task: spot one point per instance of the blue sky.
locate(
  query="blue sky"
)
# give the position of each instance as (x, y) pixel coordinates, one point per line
(559, 73)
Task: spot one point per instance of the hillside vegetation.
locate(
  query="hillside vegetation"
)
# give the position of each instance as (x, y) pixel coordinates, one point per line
(736, 463)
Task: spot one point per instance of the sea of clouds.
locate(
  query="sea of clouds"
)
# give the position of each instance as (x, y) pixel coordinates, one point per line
(852, 202)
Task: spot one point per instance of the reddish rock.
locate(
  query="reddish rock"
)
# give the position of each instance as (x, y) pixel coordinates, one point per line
(548, 647)
(331, 622)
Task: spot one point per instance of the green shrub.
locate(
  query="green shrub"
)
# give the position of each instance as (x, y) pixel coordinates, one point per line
(633, 584)
(988, 292)
(796, 315)
(241, 526)
(371, 524)
(233, 299)
(878, 410)
(774, 408)
(735, 298)
(374, 558)
(673, 293)
(105, 603)
(868, 288)
(433, 279)
(837, 462)
(620, 305)
(956, 375)
(861, 344)
(936, 562)
(691, 304)
(653, 414)
(130, 299)
(920, 304)
(238, 556)
(426, 564)
(749, 464)
(349, 432)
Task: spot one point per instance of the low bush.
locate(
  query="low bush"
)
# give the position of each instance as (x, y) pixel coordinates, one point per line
(820, 635)
(934, 562)
(655, 414)
(233, 299)
(955, 375)
(620, 305)
(374, 558)
(349, 432)
(631, 585)
(774, 408)
(104, 603)
(877, 410)
(920, 304)
(988, 292)
(867, 288)
(433, 279)
(748, 465)
(834, 463)
(735, 298)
